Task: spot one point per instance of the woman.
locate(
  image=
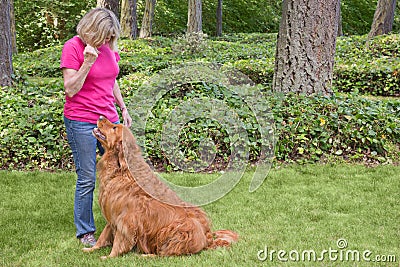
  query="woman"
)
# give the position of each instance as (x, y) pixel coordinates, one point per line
(89, 62)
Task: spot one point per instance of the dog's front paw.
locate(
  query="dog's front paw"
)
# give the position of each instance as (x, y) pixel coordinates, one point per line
(148, 255)
(87, 249)
(103, 257)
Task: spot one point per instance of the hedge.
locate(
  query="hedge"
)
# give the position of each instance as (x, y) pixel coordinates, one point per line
(308, 129)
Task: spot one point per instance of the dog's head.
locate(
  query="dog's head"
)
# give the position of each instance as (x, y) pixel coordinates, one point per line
(117, 139)
(122, 149)
(108, 134)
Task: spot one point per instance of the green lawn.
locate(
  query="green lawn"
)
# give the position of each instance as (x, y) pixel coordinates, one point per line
(298, 210)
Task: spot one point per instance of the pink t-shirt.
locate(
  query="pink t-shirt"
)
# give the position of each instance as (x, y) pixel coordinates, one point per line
(96, 96)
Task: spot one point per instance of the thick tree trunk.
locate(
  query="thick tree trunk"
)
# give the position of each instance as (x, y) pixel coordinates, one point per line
(147, 22)
(219, 18)
(129, 28)
(6, 69)
(306, 46)
(194, 24)
(383, 18)
(112, 5)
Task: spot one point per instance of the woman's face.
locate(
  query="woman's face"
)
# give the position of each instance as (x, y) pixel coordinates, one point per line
(108, 39)
(99, 43)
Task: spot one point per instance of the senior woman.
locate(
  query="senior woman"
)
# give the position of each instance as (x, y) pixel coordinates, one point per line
(89, 63)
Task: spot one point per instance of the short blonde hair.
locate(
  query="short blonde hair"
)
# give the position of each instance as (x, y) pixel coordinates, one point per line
(97, 25)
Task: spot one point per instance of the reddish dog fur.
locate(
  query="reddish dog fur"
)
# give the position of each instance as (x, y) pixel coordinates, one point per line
(157, 223)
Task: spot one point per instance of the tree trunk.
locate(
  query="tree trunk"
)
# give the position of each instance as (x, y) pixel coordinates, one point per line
(383, 18)
(194, 23)
(13, 30)
(112, 5)
(6, 69)
(129, 27)
(219, 18)
(306, 46)
(148, 16)
(340, 28)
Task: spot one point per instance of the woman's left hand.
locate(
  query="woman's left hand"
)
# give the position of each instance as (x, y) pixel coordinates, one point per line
(127, 120)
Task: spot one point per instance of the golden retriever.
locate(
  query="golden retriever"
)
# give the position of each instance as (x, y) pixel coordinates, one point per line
(142, 213)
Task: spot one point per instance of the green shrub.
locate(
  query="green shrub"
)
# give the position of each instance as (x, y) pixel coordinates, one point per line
(39, 63)
(261, 71)
(309, 129)
(32, 129)
(351, 127)
(372, 70)
(206, 128)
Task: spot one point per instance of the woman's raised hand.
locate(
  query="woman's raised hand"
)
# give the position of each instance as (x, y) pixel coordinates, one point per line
(90, 53)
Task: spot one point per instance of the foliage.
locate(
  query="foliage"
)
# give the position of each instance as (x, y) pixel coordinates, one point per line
(243, 16)
(48, 65)
(357, 16)
(203, 130)
(372, 69)
(369, 70)
(315, 128)
(32, 133)
(360, 15)
(308, 129)
(44, 23)
(347, 126)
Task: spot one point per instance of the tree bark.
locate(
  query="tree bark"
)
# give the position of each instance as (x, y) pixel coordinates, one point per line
(306, 46)
(13, 30)
(112, 5)
(6, 69)
(194, 23)
(340, 28)
(147, 22)
(219, 18)
(383, 18)
(129, 27)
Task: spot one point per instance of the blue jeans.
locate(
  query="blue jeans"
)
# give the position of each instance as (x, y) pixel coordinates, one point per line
(83, 145)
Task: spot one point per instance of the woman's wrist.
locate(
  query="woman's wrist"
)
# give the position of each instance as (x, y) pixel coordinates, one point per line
(87, 63)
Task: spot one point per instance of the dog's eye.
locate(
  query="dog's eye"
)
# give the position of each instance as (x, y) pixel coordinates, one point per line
(115, 127)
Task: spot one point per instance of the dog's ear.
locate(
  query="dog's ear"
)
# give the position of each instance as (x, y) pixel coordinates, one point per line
(121, 156)
(128, 149)
(128, 141)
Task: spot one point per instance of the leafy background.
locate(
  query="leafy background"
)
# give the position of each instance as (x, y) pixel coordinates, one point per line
(44, 23)
(360, 123)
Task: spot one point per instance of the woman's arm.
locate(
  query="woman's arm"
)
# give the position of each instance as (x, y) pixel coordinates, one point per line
(120, 102)
(74, 79)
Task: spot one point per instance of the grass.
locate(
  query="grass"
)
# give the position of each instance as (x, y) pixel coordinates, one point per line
(298, 208)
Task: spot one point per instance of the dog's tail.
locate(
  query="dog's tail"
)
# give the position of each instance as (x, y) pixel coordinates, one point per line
(223, 238)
